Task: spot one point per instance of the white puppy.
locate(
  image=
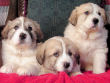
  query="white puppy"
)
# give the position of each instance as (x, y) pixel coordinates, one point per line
(19, 47)
(58, 54)
(86, 30)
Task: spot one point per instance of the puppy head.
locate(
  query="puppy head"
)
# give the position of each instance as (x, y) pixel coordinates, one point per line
(57, 54)
(22, 30)
(89, 15)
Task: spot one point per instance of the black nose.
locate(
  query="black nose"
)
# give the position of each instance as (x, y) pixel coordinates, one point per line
(22, 36)
(95, 20)
(66, 64)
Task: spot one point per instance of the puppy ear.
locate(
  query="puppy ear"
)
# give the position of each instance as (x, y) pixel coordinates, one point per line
(38, 31)
(6, 30)
(40, 53)
(77, 57)
(73, 17)
(104, 15)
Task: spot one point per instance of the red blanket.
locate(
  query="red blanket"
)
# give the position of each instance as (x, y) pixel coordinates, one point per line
(62, 77)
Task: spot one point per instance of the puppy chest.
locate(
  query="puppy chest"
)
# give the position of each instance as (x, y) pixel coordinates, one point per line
(22, 60)
(18, 58)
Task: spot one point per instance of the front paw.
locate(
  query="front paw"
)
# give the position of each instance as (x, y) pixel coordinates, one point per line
(7, 69)
(76, 73)
(23, 71)
(98, 71)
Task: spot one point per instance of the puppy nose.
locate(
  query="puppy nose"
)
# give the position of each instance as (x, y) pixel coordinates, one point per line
(22, 36)
(66, 64)
(95, 20)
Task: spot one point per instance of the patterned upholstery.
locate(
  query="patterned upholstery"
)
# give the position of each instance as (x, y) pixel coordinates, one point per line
(4, 8)
(3, 14)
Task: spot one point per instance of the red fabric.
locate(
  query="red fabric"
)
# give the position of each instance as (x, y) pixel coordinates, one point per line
(4, 2)
(107, 2)
(62, 77)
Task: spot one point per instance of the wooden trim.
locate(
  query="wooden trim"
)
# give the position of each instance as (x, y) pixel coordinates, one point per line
(22, 7)
(13, 10)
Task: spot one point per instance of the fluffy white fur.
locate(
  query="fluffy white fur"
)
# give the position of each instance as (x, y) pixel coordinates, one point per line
(90, 39)
(22, 62)
(54, 53)
(19, 56)
(63, 58)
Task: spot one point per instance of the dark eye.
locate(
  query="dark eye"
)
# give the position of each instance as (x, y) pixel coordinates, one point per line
(30, 28)
(70, 53)
(86, 12)
(16, 27)
(56, 54)
(99, 13)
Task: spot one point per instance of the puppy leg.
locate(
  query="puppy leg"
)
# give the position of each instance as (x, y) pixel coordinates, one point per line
(88, 67)
(99, 61)
(8, 68)
(28, 69)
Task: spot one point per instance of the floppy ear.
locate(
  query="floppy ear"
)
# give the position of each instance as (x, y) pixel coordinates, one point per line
(77, 57)
(104, 15)
(6, 30)
(73, 17)
(76, 54)
(40, 54)
(38, 31)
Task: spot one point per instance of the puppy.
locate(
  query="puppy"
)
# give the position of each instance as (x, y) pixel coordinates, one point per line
(58, 54)
(86, 30)
(19, 46)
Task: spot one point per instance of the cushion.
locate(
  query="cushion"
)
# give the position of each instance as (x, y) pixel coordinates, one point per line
(61, 77)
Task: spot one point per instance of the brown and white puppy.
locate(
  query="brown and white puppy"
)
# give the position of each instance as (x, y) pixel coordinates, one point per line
(58, 54)
(19, 46)
(86, 30)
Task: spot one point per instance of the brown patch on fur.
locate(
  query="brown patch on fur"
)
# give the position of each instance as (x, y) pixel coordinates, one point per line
(103, 15)
(6, 30)
(40, 53)
(91, 30)
(79, 11)
(27, 22)
(46, 51)
(73, 17)
(36, 28)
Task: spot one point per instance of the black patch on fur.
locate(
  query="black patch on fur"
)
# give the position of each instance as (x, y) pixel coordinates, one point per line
(77, 56)
(30, 33)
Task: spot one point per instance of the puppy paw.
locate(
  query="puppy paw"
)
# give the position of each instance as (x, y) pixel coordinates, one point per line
(7, 69)
(98, 71)
(76, 73)
(24, 71)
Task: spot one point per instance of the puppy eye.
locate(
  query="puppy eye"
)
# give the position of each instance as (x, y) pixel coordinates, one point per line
(56, 54)
(70, 53)
(30, 28)
(99, 13)
(16, 27)
(86, 12)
